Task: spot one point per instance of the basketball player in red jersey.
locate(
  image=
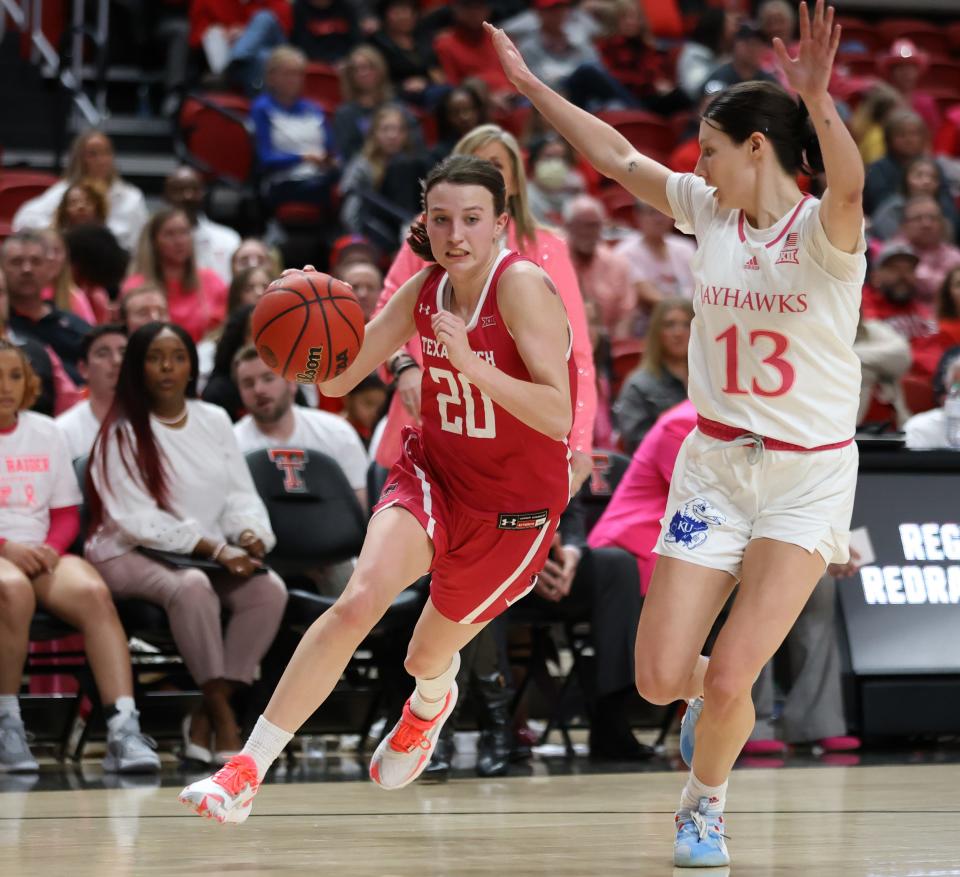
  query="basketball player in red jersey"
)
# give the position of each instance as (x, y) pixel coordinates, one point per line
(476, 495)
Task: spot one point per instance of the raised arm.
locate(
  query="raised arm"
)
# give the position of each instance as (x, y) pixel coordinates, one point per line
(606, 149)
(841, 208)
(385, 333)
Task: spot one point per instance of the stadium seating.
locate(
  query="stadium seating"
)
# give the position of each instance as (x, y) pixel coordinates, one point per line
(929, 37)
(646, 131)
(16, 187)
(216, 137)
(323, 85)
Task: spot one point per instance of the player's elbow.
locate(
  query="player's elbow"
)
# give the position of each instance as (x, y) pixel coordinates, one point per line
(560, 425)
(335, 388)
(849, 193)
(852, 196)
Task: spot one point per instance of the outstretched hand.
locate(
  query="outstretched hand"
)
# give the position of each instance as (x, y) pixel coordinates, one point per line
(809, 73)
(510, 58)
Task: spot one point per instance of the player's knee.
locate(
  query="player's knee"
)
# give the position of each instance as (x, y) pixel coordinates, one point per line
(17, 600)
(358, 606)
(658, 683)
(420, 663)
(725, 689)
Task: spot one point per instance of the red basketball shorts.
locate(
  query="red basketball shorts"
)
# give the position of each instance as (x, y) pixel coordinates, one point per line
(479, 569)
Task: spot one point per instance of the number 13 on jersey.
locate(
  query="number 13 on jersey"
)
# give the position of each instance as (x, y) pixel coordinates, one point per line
(778, 366)
(460, 398)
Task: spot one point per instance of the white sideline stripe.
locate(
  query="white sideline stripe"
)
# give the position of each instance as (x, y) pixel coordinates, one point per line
(427, 500)
(468, 619)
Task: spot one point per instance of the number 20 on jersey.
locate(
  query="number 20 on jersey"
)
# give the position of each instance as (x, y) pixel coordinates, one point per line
(458, 407)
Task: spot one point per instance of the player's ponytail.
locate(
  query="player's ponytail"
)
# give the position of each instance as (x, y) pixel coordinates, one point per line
(460, 170)
(419, 242)
(749, 107)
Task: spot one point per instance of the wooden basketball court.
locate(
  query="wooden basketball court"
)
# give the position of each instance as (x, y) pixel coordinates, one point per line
(810, 822)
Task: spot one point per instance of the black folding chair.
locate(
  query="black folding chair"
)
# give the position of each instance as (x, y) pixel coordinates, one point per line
(317, 519)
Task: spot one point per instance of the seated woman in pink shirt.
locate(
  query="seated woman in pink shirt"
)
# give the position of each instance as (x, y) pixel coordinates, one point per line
(196, 297)
(631, 520)
(527, 237)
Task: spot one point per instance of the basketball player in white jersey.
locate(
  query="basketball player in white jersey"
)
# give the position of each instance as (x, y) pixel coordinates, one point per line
(763, 488)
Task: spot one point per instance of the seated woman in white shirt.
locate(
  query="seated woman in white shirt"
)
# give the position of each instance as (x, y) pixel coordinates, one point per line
(166, 474)
(39, 519)
(91, 157)
(927, 430)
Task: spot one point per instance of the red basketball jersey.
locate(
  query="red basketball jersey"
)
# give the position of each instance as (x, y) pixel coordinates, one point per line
(487, 462)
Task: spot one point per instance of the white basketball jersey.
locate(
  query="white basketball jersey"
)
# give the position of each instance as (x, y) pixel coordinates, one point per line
(771, 346)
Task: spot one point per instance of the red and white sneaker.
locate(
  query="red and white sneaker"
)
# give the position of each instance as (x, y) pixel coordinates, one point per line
(228, 794)
(406, 751)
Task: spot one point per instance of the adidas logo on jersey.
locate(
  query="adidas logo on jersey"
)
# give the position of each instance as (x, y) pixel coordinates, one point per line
(790, 250)
(751, 264)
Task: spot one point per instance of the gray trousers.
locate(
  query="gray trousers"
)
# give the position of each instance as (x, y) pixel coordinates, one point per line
(193, 600)
(814, 705)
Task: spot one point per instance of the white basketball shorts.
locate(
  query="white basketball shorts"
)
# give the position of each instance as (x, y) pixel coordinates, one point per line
(725, 493)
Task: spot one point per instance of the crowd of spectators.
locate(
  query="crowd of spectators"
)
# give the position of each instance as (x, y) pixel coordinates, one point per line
(120, 315)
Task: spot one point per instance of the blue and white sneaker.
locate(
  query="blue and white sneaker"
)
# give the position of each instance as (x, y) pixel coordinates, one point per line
(700, 838)
(688, 726)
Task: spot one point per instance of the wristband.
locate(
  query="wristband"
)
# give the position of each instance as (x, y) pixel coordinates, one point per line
(217, 550)
(400, 362)
(405, 367)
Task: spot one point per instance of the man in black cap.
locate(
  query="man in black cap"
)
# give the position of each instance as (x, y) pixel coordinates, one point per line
(890, 293)
(744, 65)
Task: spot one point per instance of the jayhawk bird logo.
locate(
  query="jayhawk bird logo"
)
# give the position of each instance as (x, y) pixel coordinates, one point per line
(689, 526)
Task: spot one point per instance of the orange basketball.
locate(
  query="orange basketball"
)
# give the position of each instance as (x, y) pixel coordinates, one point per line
(308, 327)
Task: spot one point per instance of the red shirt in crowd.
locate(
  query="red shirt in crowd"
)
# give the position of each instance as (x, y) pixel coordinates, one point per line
(684, 158)
(463, 54)
(231, 13)
(911, 319)
(635, 63)
(196, 310)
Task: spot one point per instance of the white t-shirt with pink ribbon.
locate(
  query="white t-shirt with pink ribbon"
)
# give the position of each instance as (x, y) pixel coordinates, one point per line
(36, 475)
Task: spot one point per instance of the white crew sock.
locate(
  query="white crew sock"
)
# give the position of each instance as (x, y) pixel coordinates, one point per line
(265, 744)
(10, 706)
(125, 708)
(694, 790)
(430, 695)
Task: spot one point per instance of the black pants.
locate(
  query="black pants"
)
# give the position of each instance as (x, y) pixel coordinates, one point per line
(605, 591)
